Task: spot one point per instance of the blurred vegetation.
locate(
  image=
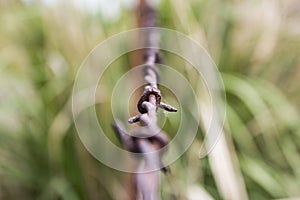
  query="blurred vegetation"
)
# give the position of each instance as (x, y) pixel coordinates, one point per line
(256, 45)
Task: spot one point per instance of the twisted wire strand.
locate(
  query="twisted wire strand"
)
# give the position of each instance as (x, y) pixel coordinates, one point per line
(149, 137)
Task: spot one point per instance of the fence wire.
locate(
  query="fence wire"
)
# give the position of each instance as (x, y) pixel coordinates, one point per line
(149, 137)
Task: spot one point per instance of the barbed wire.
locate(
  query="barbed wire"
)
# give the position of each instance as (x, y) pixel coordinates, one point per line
(148, 139)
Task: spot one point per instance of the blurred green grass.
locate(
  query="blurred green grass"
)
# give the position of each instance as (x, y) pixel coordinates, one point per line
(256, 45)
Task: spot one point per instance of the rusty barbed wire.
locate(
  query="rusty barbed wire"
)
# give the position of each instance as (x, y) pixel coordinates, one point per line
(148, 137)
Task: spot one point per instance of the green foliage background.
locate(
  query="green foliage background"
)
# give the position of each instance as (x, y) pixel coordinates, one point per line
(256, 45)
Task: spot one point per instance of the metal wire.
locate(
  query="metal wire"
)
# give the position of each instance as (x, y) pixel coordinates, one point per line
(149, 137)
